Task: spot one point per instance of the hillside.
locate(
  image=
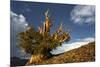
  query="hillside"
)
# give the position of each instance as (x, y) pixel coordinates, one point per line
(16, 61)
(85, 53)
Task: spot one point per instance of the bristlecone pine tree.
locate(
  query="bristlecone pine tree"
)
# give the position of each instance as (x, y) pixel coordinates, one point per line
(40, 42)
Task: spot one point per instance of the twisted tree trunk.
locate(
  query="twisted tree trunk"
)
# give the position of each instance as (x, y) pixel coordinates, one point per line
(36, 59)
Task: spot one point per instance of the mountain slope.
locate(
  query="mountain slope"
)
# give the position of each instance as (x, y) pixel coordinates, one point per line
(85, 53)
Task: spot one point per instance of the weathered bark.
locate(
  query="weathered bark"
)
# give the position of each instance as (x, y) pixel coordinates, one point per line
(36, 59)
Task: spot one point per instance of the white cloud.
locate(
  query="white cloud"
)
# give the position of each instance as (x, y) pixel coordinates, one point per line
(83, 14)
(67, 47)
(18, 24)
(89, 39)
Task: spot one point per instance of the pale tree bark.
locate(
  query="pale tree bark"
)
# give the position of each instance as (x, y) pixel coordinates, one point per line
(36, 59)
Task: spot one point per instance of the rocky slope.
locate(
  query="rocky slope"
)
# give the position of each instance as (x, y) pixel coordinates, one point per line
(85, 53)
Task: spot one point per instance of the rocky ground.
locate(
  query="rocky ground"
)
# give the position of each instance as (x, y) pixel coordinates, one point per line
(85, 53)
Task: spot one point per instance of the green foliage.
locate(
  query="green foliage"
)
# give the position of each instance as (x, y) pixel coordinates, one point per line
(33, 42)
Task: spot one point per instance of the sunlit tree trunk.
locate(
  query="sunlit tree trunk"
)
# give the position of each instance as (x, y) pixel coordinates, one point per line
(36, 59)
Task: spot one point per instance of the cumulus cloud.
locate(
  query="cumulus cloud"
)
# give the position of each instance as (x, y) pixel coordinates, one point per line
(18, 24)
(78, 43)
(83, 14)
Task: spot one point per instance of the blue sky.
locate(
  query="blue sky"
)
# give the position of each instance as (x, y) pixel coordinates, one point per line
(79, 19)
